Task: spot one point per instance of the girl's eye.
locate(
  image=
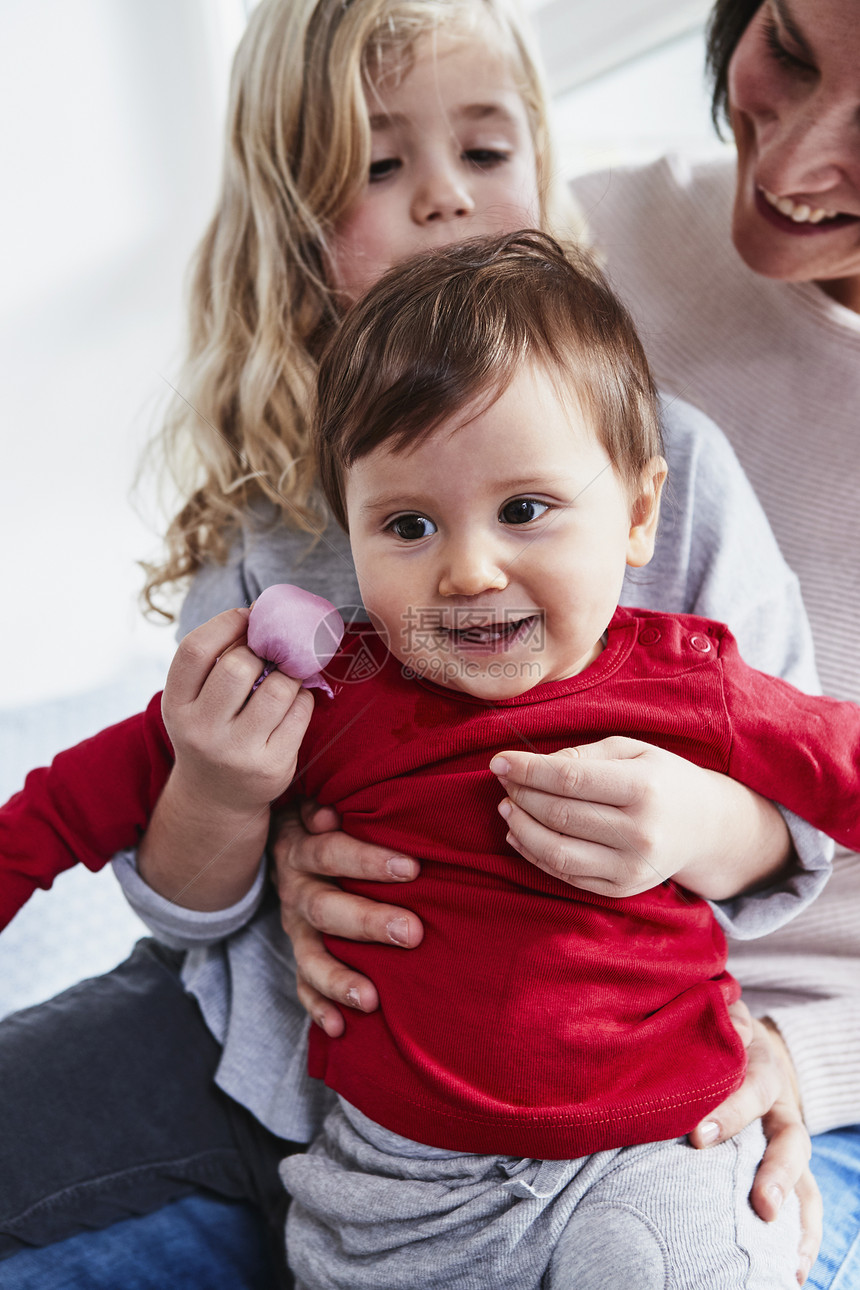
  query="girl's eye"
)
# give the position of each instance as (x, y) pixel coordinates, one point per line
(383, 168)
(780, 54)
(411, 527)
(522, 510)
(486, 158)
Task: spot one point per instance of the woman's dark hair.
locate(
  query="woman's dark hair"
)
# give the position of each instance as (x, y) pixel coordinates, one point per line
(728, 21)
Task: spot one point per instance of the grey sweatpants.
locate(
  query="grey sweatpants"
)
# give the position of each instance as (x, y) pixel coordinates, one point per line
(374, 1211)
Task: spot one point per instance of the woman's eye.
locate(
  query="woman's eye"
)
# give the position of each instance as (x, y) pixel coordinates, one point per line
(780, 54)
(522, 510)
(411, 527)
(486, 158)
(383, 168)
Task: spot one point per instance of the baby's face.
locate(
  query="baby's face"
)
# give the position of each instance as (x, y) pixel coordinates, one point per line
(492, 555)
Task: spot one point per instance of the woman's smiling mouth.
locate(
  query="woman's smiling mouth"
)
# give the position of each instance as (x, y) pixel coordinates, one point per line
(799, 217)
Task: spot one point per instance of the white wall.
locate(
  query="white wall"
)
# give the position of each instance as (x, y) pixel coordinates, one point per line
(109, 158)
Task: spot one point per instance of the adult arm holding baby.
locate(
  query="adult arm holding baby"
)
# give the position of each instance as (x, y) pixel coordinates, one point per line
(617, 815)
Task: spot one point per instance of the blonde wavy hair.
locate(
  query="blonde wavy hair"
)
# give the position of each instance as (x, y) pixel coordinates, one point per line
(297, 158)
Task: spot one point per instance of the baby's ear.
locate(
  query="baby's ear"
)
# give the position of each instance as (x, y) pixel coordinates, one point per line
(645, 512)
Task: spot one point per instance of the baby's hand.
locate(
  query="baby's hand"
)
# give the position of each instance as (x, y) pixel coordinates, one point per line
(619, 816)
(235, 746)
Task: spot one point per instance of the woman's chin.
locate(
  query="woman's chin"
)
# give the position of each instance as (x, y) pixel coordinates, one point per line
(763, 249)
(799, 254)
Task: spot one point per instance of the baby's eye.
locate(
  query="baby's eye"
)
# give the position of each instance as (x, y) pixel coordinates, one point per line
(522, 510)
(383, 168)
(486, 158)
(411, 527)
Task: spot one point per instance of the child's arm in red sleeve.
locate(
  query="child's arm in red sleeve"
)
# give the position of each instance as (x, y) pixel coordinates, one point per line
(93, 800)
(800, 750)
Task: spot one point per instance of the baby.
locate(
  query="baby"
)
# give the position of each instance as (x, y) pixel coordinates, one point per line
(514, 1112)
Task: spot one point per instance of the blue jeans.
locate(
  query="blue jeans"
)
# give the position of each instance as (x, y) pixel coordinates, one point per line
(836, 1165)
(201, 1242)
(121, 1161)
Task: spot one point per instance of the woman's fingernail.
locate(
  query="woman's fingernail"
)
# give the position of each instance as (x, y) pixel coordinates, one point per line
(398, 931)
(353, 998)
(400, 867)
(504, 809)
(499, 766)
(776, 1195)
(805, 1268)
(709, 1132)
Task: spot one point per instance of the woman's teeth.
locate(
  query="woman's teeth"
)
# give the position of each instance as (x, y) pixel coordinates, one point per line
(797, 211)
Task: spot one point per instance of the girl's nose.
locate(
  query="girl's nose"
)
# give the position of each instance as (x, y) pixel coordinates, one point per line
(470, 569)
(441, 195)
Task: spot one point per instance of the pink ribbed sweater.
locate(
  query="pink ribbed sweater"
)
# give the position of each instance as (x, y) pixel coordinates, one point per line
(777, 366)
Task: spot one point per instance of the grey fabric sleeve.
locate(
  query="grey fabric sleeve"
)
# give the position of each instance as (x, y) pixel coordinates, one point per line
(214, 588)
(267, 552)
(175, 926)
(716, 556)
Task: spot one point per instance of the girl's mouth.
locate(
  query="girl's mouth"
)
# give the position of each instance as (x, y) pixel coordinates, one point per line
(799, 217)
(490, 638)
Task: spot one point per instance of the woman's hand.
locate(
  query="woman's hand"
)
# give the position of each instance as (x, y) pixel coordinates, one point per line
(770, 1091)
(310, 853)
(619, 816)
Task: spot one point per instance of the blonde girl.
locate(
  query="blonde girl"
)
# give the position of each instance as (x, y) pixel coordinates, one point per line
(262, 303)
(360, 131)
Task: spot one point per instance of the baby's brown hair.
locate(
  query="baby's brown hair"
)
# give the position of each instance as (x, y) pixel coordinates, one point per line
(438, 332)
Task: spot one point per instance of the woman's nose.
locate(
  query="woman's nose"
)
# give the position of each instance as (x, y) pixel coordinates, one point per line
(441, 194)
(812, 148)
(470, 569)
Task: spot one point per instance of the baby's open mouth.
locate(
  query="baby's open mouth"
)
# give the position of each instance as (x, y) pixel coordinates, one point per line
(490, 636)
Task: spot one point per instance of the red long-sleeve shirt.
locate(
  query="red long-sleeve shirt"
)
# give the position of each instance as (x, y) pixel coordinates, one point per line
(535, 1019)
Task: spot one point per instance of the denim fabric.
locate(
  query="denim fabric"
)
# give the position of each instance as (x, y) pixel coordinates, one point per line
(111, 1112)
(836, 1165)
(197, 1243)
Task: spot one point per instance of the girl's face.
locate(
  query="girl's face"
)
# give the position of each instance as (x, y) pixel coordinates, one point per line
(451, 157)
(794, 102)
